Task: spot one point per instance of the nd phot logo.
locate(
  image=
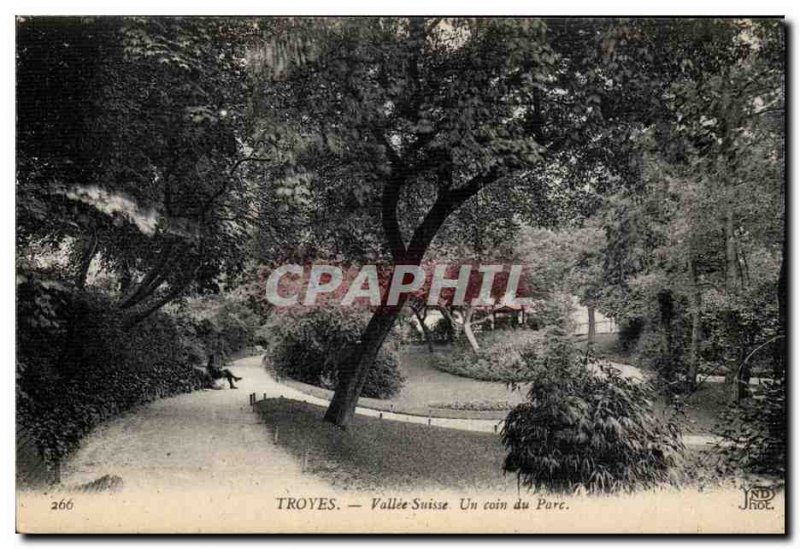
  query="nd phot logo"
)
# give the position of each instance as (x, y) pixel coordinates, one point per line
(758, 498)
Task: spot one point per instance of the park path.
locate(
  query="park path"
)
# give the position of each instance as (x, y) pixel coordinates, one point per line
(478, 425)
(212, 440)
(206, 440)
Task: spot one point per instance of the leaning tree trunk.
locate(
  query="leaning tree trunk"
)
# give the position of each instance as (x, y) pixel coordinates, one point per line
(473, 343)
(592, 329)
(353, 374)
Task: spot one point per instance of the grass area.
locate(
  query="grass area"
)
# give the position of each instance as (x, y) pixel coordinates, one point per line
(428, 390)
(703, 408)
(379, 454)
(375, 455)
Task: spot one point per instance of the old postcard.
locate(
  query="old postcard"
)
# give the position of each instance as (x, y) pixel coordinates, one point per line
(400, 275)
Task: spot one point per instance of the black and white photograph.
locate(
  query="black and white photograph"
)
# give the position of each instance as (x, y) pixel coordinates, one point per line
(400, 274)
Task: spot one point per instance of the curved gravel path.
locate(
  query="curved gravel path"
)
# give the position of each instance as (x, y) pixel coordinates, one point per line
(206, 440)
(211, 440)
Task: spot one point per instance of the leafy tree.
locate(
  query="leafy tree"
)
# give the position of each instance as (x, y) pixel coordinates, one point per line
(129, 151)
(416, 116)
(701, 235)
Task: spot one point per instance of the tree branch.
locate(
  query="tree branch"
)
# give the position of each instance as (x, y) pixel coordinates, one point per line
(448, 202)
(172, 294)
(147, 283)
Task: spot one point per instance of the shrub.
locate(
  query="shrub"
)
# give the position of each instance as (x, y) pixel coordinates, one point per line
(555, 311)
(481, 405)
(596, 432)
(97, 369)
(754, 431)
(308, 346)
(225, 324)
(509, 356)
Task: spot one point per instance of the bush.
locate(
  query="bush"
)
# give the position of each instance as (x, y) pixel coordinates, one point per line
(308, 346)
(224, 324)
(509, 356)
(442, 330)
(590, 431)
(481, 405)
(96, 369)
(556, 311)
(754, 431)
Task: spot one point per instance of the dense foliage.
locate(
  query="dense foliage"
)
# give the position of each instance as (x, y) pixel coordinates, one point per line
(511, 356)
(595, 431)
(754, 432)
(309, 346)
(637, 165)
(65, 389)
(129, 153)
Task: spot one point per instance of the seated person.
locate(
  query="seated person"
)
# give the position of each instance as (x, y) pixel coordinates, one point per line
(220, 373)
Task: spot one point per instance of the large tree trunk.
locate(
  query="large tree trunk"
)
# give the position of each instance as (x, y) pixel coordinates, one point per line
(694, 345)
(731, 259)
(353, 373)
(592, 330)
(666, 308)
(738, 379)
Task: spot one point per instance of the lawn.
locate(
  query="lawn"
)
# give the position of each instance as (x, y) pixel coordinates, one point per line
(381, 455)
(703, 408)
(376, 454)
(429, 390)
